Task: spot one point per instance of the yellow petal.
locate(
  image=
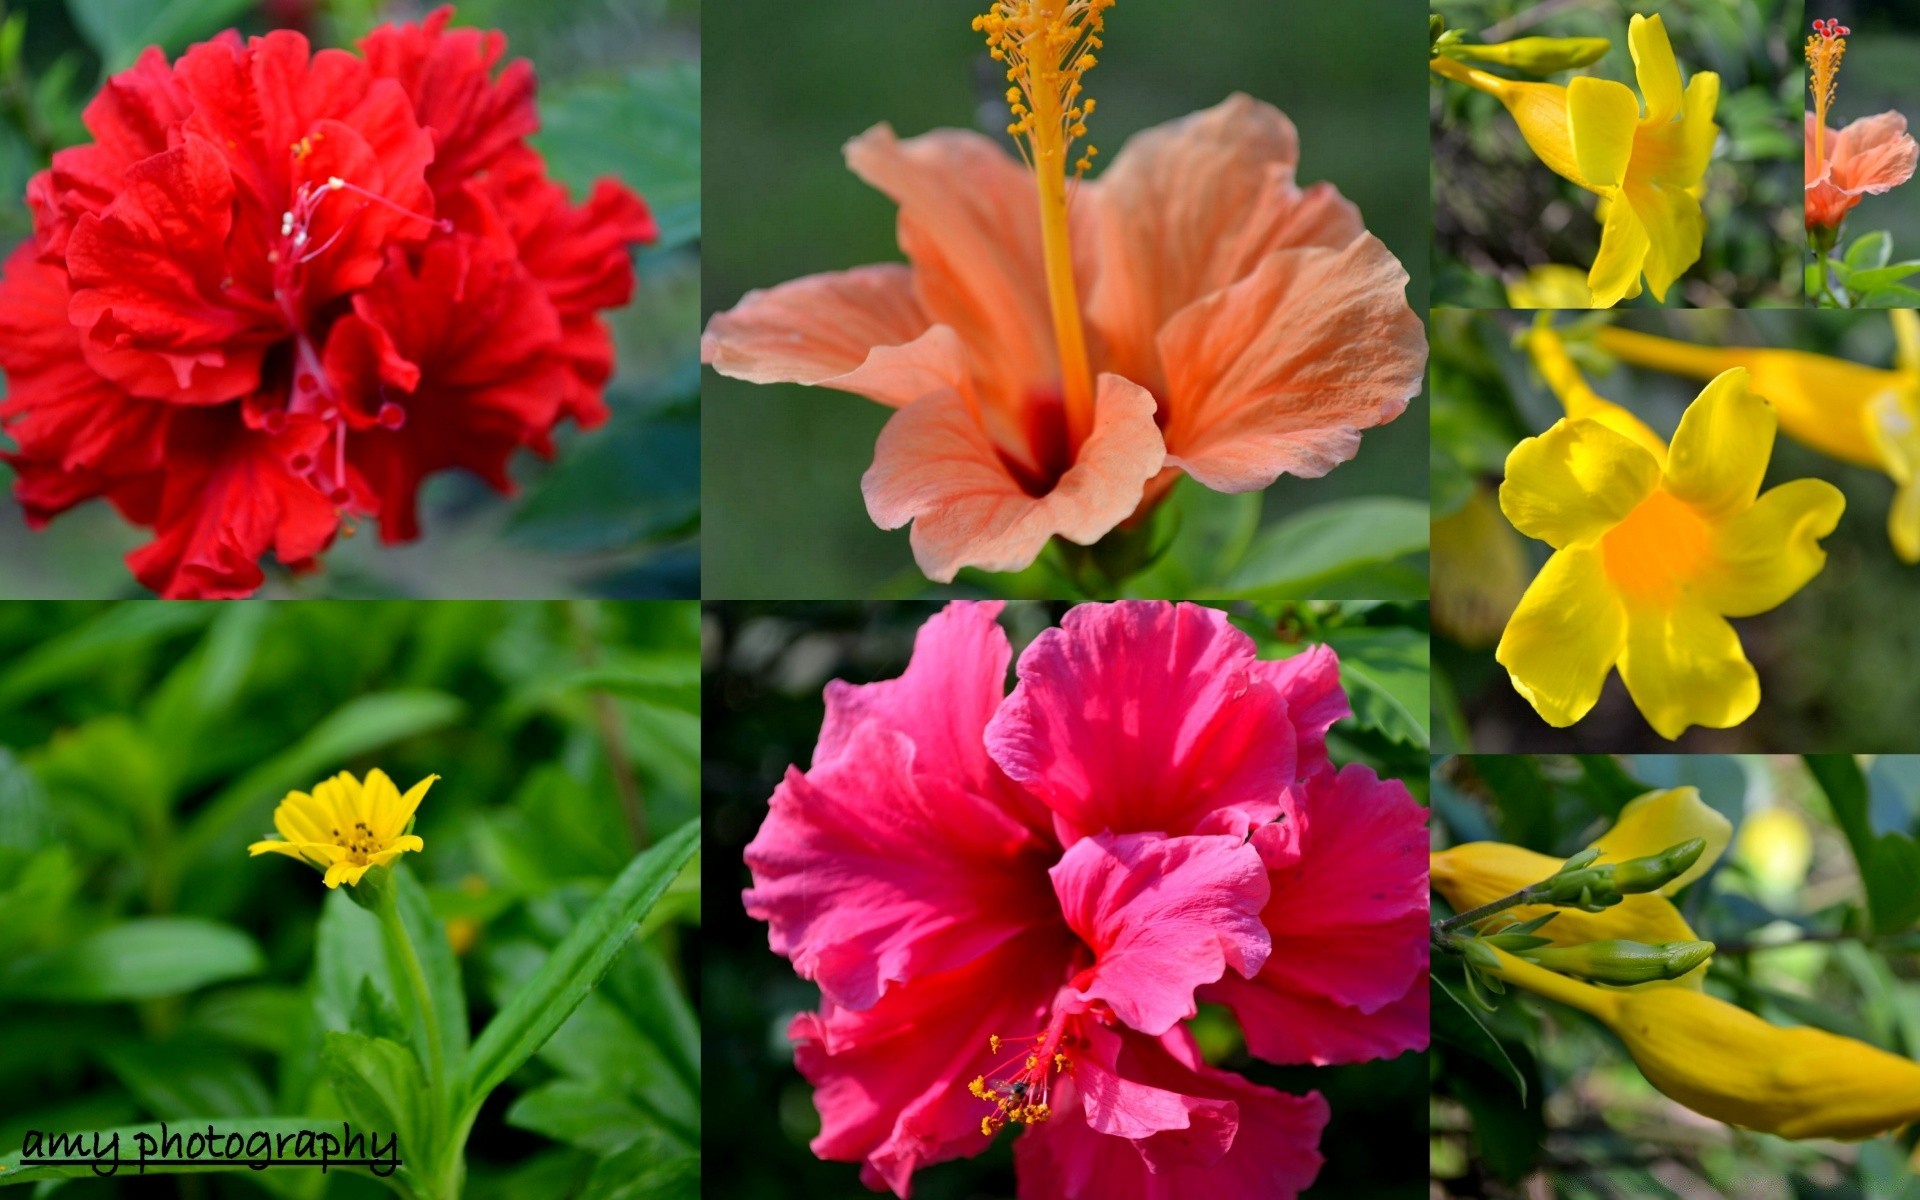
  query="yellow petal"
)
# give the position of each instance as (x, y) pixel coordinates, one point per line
(345, 872)
(1674, 227)
(274, 846)
(1623, 253)
(381, 800)
(1550, 355)
(399, 847)
(302, 818)
(1571, 484)
(1767, 553)
(1906, 340)
(1684, 666)
(408, 804)
(1719, 454)
(1553, 286)
(1697, 133)
(1540, 110)
(1660, 820)
(1654, 64)
(1564, 638)
(1903, 522)
(1602, 117)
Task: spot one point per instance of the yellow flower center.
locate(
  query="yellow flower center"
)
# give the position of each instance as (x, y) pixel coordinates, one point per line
(1019, 1091)
(358, 841)
(1825, 48)
(1047, 45)
(1655, 553)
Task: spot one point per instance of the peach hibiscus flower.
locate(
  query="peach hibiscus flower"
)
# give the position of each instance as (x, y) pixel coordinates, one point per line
(1871, 156)
(1236, 326)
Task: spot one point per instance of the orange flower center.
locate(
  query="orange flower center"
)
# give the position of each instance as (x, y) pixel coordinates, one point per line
(1655, 553)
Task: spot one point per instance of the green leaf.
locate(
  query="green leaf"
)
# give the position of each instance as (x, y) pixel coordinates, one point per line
(136, 960)
(1386, 672)
(255, 1130)
(437, 963)
(120, 29)
(582, 1113)
(1893, 882)
(189, 1075)
(1457, 1023)
(347, 954)
(379, 1083)
(78, 654)
(1869, 251)
(1206, 534)
(360, 726)
(1311, 553)
(1875, 278)
(645, 1171)
(1839, 776)
(575, 966)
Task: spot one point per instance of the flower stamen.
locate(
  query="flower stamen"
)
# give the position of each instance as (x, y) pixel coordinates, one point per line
(1019, 1088)
(1825, 48)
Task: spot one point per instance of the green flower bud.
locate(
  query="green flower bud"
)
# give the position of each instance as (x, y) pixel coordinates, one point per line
(1621, 962)
(1536, 55)
(1655, 871)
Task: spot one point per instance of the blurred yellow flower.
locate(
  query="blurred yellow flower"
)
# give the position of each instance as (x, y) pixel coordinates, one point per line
(1550, 287)
(1724, 1062)
(1479, 570)
(1653, 551)
(1478, 873)
(1864, 415)
(1776, 847)
(345, 827)
(1648, 168)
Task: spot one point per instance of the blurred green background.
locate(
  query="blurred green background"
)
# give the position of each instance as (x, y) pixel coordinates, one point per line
(765, 667)
(149, 969)
(789, 85)
(1835, 661)
(618, 511)
(1498, 211)
(1795, 946)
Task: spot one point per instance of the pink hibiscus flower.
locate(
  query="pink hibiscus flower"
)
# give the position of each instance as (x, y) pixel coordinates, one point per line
(1011, 903)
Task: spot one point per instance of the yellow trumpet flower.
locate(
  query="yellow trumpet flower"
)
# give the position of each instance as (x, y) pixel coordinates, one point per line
(1478, 873)
(345, 827)
(1723, 1062)
(1868, 416)
(1655, 547)
(1648, 167)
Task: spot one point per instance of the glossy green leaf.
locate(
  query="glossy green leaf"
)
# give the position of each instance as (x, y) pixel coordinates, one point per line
(1386, 672)
(1457, 1023)
(135, 960)
(1328, 547)
(379, 1084)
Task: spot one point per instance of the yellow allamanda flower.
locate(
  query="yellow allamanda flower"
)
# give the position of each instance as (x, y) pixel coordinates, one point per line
(1724, 1062)
(1655, 547)
(1648, 167)
(347, 827)
(1868, 416)
(1551, 286)
(1479, 570)
(1478, 873)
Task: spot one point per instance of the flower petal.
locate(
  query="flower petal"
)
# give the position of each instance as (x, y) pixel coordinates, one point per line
(1719, 454)
(868, 876)
(1873, 155)
(819, 330)
(1285, 1025)
(395, 849)
(1660, 820)
(1191, 207)
(1573, 483)
(409, 804)
(1772, 550)
(1267, 377)
(1654, 64)
(1602, 117)
(1163, 916)
(1316, 698)
(1566, 635)
(1674, 227)
(1144, 716)
(935, 466)
(1624, 244)
(345, 872)
(1684, 666)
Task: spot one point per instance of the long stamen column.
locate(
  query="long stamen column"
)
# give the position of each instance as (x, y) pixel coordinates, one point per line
(1047, 46)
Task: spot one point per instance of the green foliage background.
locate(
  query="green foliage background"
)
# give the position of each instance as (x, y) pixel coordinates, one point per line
(149, 969)
(791, 84)
(1589, 1126)
(1834, 660)
(618, 512)
(1499, 211)
(766, 666)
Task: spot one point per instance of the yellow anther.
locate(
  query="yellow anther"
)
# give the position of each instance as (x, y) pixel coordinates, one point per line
(993, 1042)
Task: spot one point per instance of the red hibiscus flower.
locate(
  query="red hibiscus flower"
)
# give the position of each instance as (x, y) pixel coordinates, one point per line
(1011, 903)
(281, 287)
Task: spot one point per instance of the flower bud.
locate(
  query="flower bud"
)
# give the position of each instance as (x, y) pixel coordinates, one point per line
(1653, 872)
(1537, 55)
(1621, 962)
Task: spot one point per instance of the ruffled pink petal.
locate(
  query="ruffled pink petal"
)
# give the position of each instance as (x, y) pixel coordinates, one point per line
(1310, 684)
(868, 876)
(1144, 716)
(1349, 914)
(1279, 374)
(970, 226)
(1284, 1025)
(942, 703)
(891, 1082)
(1163, 916)
(1191, 207)
(828, 331)
(1240, 1141)
(936, 466)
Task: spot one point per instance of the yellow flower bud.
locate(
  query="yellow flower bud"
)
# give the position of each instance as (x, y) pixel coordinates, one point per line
(1621, 962)
(1537, 55)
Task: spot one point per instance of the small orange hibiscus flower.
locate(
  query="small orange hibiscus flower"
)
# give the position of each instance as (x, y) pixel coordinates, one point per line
(1871, 156)
(1236, 327)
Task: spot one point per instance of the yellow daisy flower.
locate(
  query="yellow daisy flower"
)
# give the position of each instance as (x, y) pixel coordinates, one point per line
(347, 827)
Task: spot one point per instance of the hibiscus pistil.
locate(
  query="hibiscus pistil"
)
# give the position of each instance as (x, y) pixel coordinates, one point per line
(1048, 46)
(1019, 1095)
(1826, 46)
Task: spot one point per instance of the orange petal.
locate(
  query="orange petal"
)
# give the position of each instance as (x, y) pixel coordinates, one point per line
(1873, 154)
(820, 330)
(970, 225)
(1193, 206)
(936, 467)
(1279, 373)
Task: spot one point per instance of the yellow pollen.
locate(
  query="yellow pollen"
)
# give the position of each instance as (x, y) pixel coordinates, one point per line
(303, 147)
(1048, 46)
(1823, 76)
(1657, 551)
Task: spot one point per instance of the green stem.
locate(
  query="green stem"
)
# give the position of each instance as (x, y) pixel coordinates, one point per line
(423, 1010)
(1526, 895)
